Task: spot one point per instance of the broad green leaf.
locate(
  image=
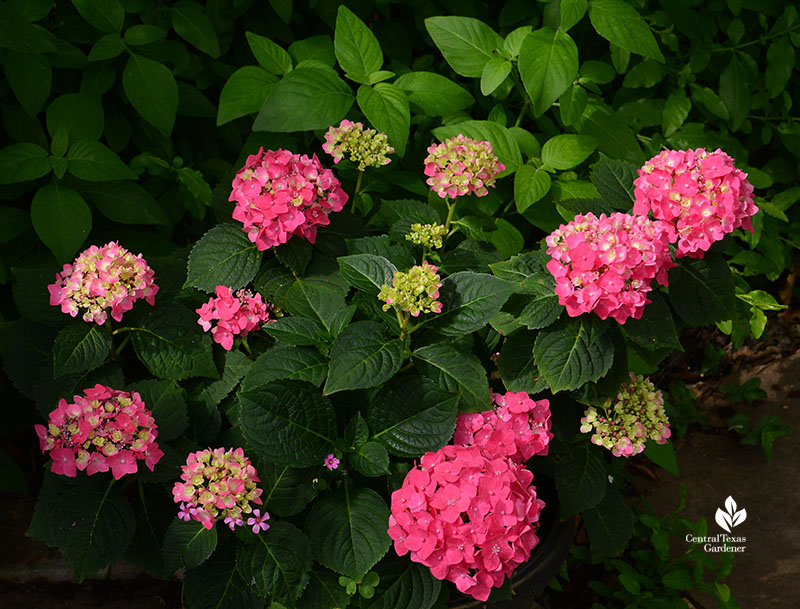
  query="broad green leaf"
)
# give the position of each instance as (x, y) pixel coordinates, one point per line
(305, 99)
(167, 401)
(504, 145)
(516, 365)
(192, 24)
(288, 423)
(780, 64)
(195, 184)
(386, 107)
(19, 35)
(676, 111)
(283, 8)
(513, 42)
(656, 328)
(295, 331)
(701, 291)
(188, 544)
(494, 73)
(506, 238)
(271, 56)
(125, 202)
(152, 90)
(469, 300)
(317, 48)
(324, 592)
(13, 222)
(244, 93)
(224, 256)
(411, 415)
(363, 356)
(349, 530)
(403, 584)
(614, 136)
(572, 11)
(662, 455)
(142, 34)
(22, 162)
(172, 345)
(609, 523)
(279, 562)
(567, 151)
(318, 301)
(734, 90)
(217, 584)
(548, 63)
(621, 24)
(572, 103)
(572, 352)
(284, 362)
(434, 94)
(645, 74)
(106, 15)
(580, 479)
(62, 220)
(541, 307)
(237, 365)
(92, 528)
(95, 162)
(287, 490)
(79, 348)
(366, 272)
(370, 459)
(107, 47)
(456, 372)
(613, 179)
(707, 98)
(356, 47)
(30, 77)
(530, 185)
(466, 43)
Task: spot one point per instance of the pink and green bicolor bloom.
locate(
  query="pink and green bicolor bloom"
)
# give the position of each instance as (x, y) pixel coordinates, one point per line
(414, 291)
(461, 166)
(235, 315)
(103, 429)
(364, 147)
(103, 280)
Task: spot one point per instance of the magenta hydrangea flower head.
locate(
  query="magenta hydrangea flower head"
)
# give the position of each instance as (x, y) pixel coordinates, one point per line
(102, 279)
(364, 147)
(103, 429)
(279, 194)
(414, 291)
(626, 422)
(518, 428)
(471, 518)
(607, 264)
(219, 484)
(460, 166)
(700, 192)
(236, 315)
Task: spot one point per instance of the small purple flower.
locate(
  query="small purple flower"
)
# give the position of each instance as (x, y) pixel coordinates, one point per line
(185, 513)
(234, 522)
(331, 462)
(258, 522)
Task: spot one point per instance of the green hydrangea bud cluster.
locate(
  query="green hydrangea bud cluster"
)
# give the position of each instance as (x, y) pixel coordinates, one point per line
(636, 414)
(365, 147)
(427, 235)
(414, 291)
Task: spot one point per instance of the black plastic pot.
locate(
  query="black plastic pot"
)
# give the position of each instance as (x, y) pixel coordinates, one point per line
(555, 540)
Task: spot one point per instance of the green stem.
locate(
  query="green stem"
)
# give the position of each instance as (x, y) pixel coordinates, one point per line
(451, 208)
(119, 349)
(121, 330)
(757, 41)
(247, 346)
(358, 183)
(522, 112)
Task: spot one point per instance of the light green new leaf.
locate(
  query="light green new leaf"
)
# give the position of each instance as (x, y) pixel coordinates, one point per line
(152, 90)
(621, 24)
(548, 64)
(386, 107)
(434, 94)
(572, 11)
(356, 47)
(62, 220)
(494, 73)
(193, 25)
(530, 185)
(466, 43)
(567, 151)
(272, 57)
(676, 111)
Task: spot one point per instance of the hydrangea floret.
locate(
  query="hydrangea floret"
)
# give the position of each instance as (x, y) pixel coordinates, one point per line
(700, 192)
(414, 291)
(471, 518)
(460, 166)
(103, 279)
(331, 462)
(627, 421)
(235, 315)
(102, 429)
(428, 236)
(218, 484)
(607, 264)
(518, 428)
(279, 194)
(364, 147)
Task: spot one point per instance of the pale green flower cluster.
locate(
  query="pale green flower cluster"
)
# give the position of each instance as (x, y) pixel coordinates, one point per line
(427, 235)
(414, 291)
(364, 147)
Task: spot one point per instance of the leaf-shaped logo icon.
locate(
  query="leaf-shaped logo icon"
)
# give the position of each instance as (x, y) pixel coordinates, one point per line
(730, 517)
(723, 520)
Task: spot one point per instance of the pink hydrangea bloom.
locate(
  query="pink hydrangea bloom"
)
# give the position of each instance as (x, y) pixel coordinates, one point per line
(103, 429)
(701, 193)
(460, 166)
(518, 428)
(235, 315)
(103, 278)
(470, 517)
(279, 194)
(607, 264)
(625, 423)
(219, 485)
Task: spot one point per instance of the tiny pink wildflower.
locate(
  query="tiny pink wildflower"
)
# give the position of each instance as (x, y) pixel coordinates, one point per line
(103, 278)
(235, 315)
(258, 522)
(700, 192)
(103, 429)
(279, 194)
(460, 166)
(364, 147)
(331, 462)
(414, 291)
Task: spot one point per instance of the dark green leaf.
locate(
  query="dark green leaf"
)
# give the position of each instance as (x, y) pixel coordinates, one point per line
(621, 24)
(62, 220)
(386, 107)
(469, 300)
(106, 15)
(324, 592)
(295, 331)
(613, 179)
(224, 256)
(194, 26)
(217, 584)
(466, 43)
(167, 401)
(288, 423)
(19, 35)
(139, 35)
(656, 328)
(548, 63)
(30, 77)
(349, 530)
(13, 222)
(609, 523)
(283, 362)
(95, 162)
(152, 90)
(580, 479)
(362, 356)
(403, 584)
(315, 300)
(567, 151)
(188, 544)
(272, 57)
(244, 93)
(125, 202)
(317, 48)
(22, 162)
(455, 372)
(530, 185)
(662, 455)
(676, 110)
(287, 490)
(734, 90)
(79, 348)
(701, 291)
(434, 94)
(367, 272)
(572, 103)
(541, 307)
(780, 64)
(370, 459)
(516, 365)
(356, 47)
(614, 136)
